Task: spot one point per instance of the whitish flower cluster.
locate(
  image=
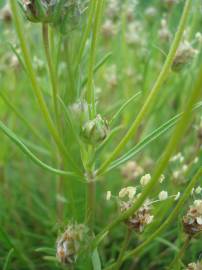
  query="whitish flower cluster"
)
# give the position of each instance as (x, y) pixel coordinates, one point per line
(192, 221)
(170, 3)
(108, 29)
(5, 14)
(141, 218)
(178, 157)
(164, 32)
(131, 170)
(150, 12)
(110, 76)
(180, 168)
(127, 196)
(198, 37)
(194, 266)
(70, 242)
(184, 55)
(134, 35)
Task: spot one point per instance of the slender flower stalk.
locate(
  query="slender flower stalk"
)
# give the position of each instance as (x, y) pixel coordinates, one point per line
(90, 87)
(180, 253)
(166, 223)
(154, 91)
(123, 249)
(86, 33)
(162, 163)
(36, 88)
(52, 73)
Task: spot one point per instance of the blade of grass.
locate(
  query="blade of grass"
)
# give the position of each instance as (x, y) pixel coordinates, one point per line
(96, 68)
(116, 115)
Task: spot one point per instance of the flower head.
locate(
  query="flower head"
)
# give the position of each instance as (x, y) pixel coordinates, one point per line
(131, 170)
(70, 242)
(95, 131)
(192, 221)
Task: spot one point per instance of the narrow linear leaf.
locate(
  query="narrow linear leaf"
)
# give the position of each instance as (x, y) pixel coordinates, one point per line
(124, 106)
(37, 161)
(8, 259)
(18, 56)
(148, 139)
(97, 67)
(141, 145)
(96, 260)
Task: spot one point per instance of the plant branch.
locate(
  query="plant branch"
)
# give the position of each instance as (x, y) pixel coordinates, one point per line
(163, 161)
(154, 91)
(53, 77)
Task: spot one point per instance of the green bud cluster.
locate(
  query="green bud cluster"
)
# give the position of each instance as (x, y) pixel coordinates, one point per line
(64, 14)
(95, 131)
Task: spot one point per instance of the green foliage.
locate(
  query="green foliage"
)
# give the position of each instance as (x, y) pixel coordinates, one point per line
(89, 104)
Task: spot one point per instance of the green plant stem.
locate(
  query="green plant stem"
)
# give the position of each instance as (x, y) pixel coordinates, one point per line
(53, 77)
(167, 222)
(123, 249)
(164, 159)
(90, 94)
(35, 86)
(180, 253)
(86, 32)
(91, 200)
(154, 91)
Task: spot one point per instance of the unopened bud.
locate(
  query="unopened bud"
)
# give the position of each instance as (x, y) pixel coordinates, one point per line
(95, 131)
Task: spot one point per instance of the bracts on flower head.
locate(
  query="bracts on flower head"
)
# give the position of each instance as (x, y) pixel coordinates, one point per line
(95, 131)
(64, 14)
(140, 219)
(70, 243)
(194, 266)
(192, 221)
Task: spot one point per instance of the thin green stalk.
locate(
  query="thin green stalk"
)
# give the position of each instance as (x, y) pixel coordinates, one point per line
(53, 77)
(154, 91)
(90, 94)
(86, 32)
(162, 163)
(90, 207)
(35, 86)
(32, 76)
(180, 253)
(169, 219)
(123, 249)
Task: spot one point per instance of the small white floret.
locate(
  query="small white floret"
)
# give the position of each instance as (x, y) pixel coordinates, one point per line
(163, 195)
